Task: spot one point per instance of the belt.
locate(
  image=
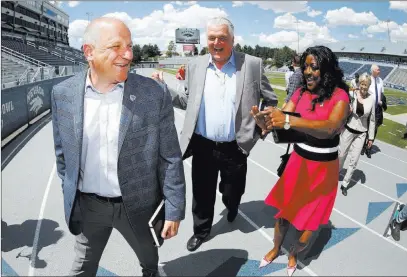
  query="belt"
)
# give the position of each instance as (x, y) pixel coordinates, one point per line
(215, 143)
(353, 131)
(118, 199)
(317, 149)
(316, 153)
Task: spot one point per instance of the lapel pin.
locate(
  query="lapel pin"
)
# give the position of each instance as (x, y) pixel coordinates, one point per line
(132, 97)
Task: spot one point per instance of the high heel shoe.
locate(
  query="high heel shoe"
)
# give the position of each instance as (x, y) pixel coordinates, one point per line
(291, 270)
(265, 262)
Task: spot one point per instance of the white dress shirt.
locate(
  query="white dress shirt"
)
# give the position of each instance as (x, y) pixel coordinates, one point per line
(216, 117)
(380, 88)
(102, 112)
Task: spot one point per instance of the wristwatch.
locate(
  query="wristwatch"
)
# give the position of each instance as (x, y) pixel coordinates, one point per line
(287, 122)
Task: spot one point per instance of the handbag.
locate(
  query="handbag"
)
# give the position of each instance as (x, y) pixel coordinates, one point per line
(284, 160)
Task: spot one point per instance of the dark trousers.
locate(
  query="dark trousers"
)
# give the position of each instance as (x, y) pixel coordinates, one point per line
(210, 158)
(98, 220)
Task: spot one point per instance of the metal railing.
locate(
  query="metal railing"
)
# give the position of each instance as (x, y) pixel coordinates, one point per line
(18, 57)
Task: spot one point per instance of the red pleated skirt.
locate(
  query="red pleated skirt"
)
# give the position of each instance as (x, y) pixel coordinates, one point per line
(305, 194)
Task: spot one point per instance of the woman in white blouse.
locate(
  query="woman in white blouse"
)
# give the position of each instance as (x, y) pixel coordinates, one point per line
(361, 122)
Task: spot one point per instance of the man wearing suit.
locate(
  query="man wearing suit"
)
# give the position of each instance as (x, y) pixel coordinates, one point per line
(218, 129)
(117, 151)
(377, 90)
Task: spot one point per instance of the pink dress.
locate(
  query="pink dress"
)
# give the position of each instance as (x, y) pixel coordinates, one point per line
(306, 192)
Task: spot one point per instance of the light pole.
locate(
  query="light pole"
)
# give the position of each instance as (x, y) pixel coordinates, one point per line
(388, 29)
(89, 15)
(298, 38)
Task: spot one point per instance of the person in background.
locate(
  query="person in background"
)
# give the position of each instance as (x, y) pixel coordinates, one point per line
(287, 76)
(361, 123)
(295, 81)
(180, 76)
(354, 84)
(377, 90)
(306, 191)
(398, 220)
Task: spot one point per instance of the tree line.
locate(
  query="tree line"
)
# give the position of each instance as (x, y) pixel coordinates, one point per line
(271, 56)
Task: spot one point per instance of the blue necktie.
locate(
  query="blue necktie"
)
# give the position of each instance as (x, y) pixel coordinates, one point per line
(377, 95)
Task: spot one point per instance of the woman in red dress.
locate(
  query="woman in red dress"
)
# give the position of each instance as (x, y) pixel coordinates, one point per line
(305, 194)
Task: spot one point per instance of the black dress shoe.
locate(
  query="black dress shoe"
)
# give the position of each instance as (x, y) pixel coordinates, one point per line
(368, 153)
(344, 191)
(194, 243)
(232, 215)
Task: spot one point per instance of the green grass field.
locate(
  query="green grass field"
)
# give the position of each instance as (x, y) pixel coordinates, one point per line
(168, 70)
(392, 132)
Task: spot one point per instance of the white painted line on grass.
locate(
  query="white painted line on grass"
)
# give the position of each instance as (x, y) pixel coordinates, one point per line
(39, 222)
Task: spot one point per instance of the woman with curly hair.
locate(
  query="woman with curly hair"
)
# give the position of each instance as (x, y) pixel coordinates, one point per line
(306, 191)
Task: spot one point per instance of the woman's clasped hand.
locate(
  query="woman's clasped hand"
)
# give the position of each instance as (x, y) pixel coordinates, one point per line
(269, 118)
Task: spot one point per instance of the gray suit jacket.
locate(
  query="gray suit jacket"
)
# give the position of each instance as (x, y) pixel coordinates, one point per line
(150, 164)
(252, 85)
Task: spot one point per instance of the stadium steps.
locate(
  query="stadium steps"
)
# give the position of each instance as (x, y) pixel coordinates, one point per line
(384, 70)
(73, 54)
(390, 73)
(348, 67)
(398, 77)
(35, 53)
(11, 71)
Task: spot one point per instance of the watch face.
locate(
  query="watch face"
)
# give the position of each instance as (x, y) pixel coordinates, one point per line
(286, 126)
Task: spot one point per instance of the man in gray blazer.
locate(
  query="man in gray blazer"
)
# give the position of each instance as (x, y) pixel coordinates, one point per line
(218, 129)
(117, 151)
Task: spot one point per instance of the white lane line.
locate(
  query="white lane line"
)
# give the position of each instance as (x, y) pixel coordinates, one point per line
(161, 270)
(27, 137)
(39, 222)
(379, 152)
(343, 214)
(264, 234)
(385, 170)
(372, 189)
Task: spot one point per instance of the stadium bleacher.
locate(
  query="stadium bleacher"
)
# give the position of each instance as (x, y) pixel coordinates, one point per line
(348, 67)
(10, 70)
(399, 77)
(31, 51)
(384, 70)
